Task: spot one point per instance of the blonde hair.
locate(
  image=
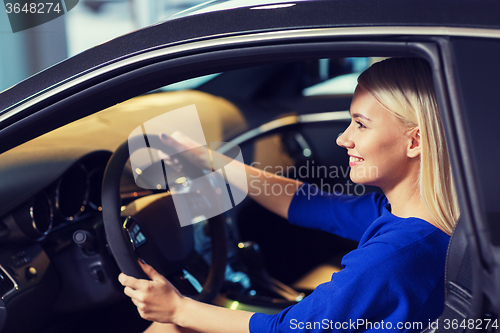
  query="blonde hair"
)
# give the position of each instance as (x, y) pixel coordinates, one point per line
(404, 86)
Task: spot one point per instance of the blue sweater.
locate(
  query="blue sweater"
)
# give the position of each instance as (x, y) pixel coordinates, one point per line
(393, 281)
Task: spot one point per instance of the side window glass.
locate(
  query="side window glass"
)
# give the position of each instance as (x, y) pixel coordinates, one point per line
(337, 76)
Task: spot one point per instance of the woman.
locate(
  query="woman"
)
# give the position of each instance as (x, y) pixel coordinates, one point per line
(394, 279)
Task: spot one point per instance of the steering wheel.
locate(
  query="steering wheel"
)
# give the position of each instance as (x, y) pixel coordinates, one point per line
(151, 229)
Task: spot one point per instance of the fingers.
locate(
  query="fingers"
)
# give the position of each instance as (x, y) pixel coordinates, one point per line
(129, 281)
(156, 299)
(135, 295)
(168, 140)
(141, 308)
(197, 154)
(179, 141)
(185, 140)
(151, 272)
(134, 283)
(133, 287)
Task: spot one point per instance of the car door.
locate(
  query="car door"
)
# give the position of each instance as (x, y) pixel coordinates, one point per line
(96, 90)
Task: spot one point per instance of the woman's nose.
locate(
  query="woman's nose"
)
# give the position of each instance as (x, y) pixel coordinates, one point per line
(343, 139)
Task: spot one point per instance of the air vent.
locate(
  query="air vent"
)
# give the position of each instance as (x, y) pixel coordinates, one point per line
(7, 284)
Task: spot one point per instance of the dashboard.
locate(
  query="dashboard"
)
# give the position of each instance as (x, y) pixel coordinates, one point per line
(53, 250)
(74, 196)
(52, 246)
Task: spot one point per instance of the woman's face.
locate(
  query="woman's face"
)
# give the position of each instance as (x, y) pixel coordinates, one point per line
(376, 143)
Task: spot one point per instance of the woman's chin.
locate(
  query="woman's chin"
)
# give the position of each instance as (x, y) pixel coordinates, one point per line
(363, 181)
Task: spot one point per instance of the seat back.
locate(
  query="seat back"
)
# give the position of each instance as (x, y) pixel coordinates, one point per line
(458, 284)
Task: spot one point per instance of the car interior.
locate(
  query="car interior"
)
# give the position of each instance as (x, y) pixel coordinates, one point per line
(56, 261)
(53, 221)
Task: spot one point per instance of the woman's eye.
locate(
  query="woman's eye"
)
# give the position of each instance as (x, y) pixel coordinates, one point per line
(360, 124)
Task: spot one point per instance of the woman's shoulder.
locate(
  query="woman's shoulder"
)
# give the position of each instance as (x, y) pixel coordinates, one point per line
(405, 238)
(406, 247)
(342, 214)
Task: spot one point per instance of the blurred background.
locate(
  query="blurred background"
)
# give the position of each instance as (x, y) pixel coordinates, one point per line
(90, 23)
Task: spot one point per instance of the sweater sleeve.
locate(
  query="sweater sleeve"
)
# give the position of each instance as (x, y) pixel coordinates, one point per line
(336, 306)
(380, 289)
(345, 215)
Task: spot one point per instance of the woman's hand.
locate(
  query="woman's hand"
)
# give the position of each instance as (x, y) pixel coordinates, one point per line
(193, 151)
(156, 300)
(255, 182)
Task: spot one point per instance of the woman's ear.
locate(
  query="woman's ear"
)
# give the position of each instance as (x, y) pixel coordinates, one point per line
(415, 143)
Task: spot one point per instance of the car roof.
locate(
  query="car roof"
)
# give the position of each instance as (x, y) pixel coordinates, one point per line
(253, 16)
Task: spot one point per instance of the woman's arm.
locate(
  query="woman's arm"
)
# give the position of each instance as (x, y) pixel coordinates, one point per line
(269, 190)
(158, 300)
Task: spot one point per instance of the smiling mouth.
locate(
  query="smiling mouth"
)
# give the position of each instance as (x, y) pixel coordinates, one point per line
(353, 159)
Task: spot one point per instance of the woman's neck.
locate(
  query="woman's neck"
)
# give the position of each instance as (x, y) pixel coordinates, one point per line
(406, 202)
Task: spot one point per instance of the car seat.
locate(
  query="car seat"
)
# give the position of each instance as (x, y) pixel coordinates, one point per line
(458, 284)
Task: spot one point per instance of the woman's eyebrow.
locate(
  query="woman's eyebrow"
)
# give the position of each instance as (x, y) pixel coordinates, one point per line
(359, 115)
